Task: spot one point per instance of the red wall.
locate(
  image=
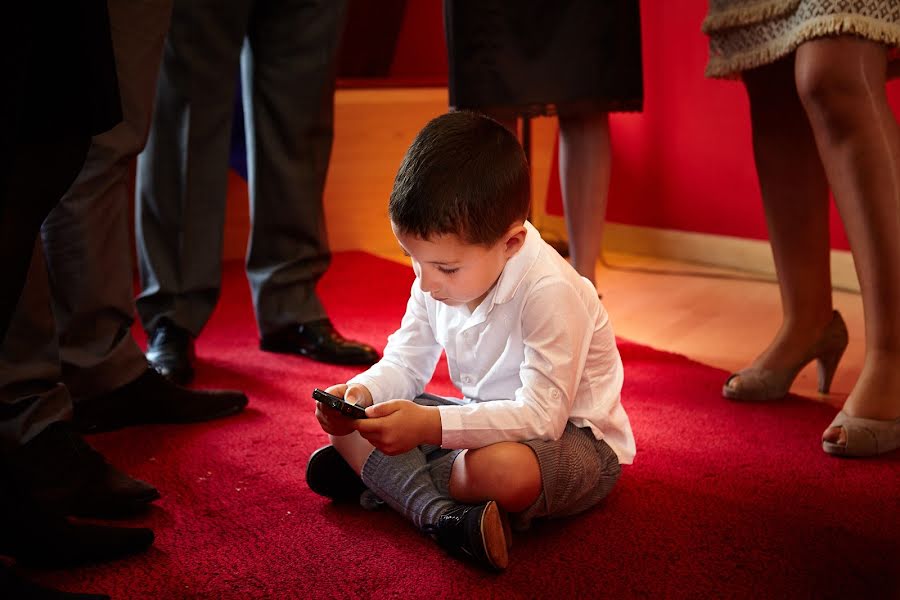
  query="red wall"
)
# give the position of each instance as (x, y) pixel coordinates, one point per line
(685, 163)
(421, 50)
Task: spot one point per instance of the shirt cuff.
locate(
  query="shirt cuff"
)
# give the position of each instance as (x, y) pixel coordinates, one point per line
(451, 427)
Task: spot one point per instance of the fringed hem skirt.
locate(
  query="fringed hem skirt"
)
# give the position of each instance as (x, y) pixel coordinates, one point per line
(745, 34)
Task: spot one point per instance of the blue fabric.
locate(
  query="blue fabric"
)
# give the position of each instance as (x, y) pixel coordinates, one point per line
(237, 159)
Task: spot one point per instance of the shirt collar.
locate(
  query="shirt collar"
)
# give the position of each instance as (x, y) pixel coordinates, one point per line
(518, 266)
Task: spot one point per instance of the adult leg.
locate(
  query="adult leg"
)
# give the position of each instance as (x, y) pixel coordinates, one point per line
(842, 84)
(48, 460)
(182, 173)
(86, 241)
(795, 197)
(86, 237)
(584, 166)
(28, 192)
(288, 69)
(31, 395)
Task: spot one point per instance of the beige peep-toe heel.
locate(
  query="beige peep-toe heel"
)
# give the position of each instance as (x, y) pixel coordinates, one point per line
(865, 437)
(756, 384)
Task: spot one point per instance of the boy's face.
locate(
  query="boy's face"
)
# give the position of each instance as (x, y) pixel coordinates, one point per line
(456, 272)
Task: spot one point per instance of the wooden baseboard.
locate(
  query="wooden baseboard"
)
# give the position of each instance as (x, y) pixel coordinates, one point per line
(725, 252)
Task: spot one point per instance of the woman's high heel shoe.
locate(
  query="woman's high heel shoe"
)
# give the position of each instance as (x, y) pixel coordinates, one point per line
(864, 437)
(758, 384)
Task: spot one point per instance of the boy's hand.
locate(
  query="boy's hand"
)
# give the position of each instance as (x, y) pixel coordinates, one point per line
(397, 426)
(333, 422)
(358, 394)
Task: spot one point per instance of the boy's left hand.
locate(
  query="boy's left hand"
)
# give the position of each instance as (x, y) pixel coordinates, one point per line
(397, 426)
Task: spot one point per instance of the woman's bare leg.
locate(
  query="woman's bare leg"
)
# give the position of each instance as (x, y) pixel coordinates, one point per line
(795, 197)
(842, 85)
(584, 169)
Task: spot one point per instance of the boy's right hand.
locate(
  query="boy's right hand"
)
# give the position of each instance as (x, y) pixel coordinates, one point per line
(333, 422)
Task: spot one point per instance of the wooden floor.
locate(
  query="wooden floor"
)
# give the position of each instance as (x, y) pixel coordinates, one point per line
(724, 323)
(717, 321)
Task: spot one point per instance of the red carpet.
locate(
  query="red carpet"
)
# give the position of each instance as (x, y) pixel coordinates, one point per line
(724, 499)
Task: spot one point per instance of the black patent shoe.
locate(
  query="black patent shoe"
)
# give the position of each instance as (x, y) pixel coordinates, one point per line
(66, 476)
(170, 350)
(329, 475)
(476, 532)
(38, 537)
(153, 399)
(320, 341)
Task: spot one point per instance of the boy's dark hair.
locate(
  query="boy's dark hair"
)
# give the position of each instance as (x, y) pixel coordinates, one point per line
(464, 174)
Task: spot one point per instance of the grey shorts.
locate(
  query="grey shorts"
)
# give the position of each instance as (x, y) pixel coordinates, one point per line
(577, 470)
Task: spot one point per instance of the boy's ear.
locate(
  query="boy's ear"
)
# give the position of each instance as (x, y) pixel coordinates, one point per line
(515, 239)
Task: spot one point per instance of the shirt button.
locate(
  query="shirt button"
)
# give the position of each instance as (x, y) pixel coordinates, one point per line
(554, 393)
(466, 379)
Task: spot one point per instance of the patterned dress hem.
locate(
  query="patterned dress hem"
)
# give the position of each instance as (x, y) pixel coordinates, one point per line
(825, 26)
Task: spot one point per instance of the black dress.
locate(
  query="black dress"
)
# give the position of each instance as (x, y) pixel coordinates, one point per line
(540, 57)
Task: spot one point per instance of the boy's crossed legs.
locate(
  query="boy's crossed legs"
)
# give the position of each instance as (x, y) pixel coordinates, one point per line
(461, 496)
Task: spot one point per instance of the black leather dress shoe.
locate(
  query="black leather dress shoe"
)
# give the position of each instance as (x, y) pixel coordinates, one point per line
(36, 536)
(13, 585)
(151, 398)
(170, 350)
(65, 475)
(319, 341)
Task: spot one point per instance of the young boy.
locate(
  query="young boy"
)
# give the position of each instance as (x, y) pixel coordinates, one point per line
(540, 430)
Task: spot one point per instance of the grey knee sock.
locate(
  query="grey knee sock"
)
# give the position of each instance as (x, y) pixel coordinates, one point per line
(415, 484)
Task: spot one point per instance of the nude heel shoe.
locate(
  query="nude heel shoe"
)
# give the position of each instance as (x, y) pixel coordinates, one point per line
(865, 437)
(755, 384)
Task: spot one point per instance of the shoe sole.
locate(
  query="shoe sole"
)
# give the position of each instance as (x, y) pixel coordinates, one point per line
(122, 510)
(88, 426)
(140, 541)
(281, 349)
(494, 526)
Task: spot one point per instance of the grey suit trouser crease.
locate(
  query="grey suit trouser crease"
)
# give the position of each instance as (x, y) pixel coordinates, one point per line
(284, 51)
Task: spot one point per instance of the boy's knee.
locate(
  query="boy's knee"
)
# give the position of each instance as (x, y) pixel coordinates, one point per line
(507, 472)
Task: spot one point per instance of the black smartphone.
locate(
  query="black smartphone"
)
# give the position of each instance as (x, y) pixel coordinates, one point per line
(339, 404)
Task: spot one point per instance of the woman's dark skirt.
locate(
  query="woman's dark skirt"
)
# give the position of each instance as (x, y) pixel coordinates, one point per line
(541, 57)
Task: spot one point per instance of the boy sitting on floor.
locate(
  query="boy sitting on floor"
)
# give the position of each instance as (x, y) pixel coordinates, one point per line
(540, 430)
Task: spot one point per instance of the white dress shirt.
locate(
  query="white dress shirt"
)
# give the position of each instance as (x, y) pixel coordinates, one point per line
(538, 352)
